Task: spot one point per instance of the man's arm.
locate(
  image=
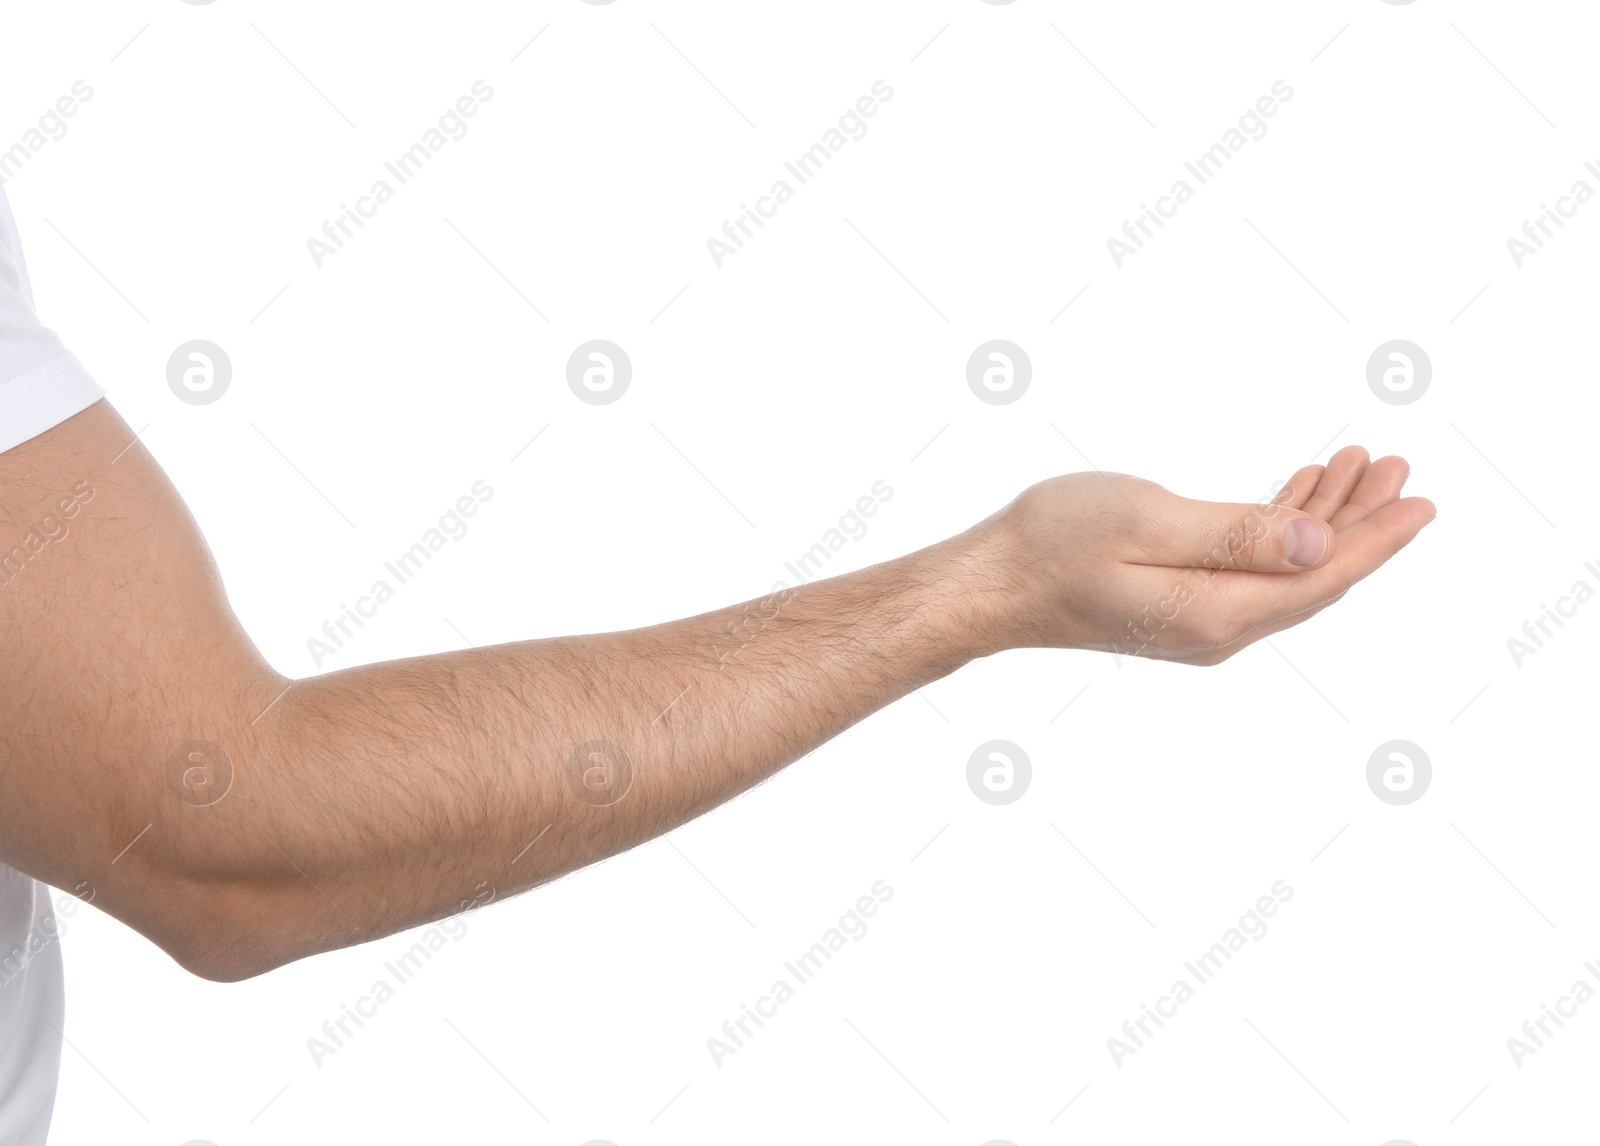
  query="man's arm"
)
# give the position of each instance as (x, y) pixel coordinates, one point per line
(377, 798)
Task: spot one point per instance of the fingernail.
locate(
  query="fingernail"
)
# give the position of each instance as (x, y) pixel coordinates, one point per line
(1305, 542)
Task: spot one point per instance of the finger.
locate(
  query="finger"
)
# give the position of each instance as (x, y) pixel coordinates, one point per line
(1344, 472)
(1233, 536)
(1361, 549)
(1366, 544)
(1299, 488)
(1380, 485)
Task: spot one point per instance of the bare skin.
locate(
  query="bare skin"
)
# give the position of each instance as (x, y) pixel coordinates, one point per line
(377, 798)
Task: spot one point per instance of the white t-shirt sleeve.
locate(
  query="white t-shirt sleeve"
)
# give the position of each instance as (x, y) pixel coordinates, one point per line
(41, 383)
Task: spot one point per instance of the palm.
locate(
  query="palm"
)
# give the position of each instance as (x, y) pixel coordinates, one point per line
(1130, 567)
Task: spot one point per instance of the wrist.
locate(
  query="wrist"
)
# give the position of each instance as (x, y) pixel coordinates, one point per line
(971, 594)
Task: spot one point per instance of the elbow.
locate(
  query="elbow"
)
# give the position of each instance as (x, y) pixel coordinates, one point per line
(223, 933)
(219, 963)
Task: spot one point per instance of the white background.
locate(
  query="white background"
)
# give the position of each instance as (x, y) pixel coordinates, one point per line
(767, 397)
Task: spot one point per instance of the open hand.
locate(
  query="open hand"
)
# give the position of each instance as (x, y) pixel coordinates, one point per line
(1116, 563)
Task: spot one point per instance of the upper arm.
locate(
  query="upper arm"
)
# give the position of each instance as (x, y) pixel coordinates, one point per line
(117, 647)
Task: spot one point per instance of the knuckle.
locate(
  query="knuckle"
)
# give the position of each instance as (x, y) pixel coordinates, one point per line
(1244, 537)
(1234, 543)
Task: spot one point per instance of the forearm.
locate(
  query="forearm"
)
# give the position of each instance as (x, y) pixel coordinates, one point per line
(384, 796)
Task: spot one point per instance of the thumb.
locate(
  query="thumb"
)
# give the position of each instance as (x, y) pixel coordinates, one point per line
(1261, 538)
